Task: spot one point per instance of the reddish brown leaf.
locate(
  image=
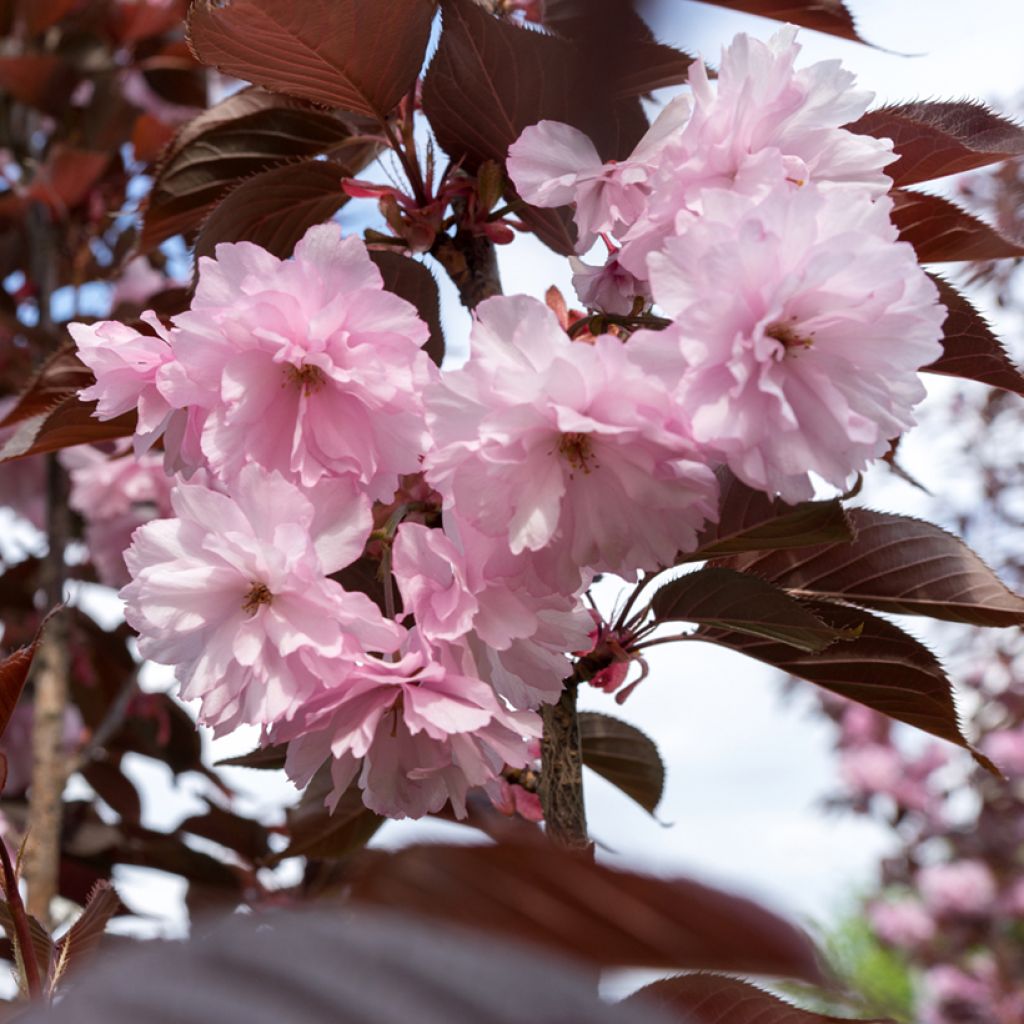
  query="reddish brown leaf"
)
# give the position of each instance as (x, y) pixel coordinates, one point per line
(315, 831)
(41, 80)
(276, 208)
(267, 758)
(883, 668)
(626, 757)
(133, 22)
(936, 139)
(70, 422)
(411, 280)
(895, 564)
(14, 671)
(651, 65)
(328, 964)
(941, 232)
(627, 57)
(114, 788)
(360, 55)
(42, 944)
(831, 16)
(249, 132)
(714, 999)
(82, 938)
(243, 835)
(546, 895)
(60, 376)
(744, 602)
(39, 15)
(970, 348)
(490, 79)
(150, 137)
(68, 176)
(750, 520)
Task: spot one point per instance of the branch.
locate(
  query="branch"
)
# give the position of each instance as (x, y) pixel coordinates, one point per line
(561, 773)
(49, 773)
(470, 260)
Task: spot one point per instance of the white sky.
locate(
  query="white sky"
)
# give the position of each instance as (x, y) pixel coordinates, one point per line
(746, 770)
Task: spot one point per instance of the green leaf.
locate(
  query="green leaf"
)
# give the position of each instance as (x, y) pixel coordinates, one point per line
(738, 601)
(626, 757)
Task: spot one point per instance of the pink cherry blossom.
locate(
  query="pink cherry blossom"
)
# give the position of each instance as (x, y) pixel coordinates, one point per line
(799, 324)
(945, 987)
(904, 922)
(873, 768)
(234, 593)
(416, 733)
(609, 288)
(307, 365)
(468, 585)
(1006, 748)
(431, 577)
(762, 121)
(554, 164)
(961, 887)
(565, 448)
(127, 365)
(115, 495)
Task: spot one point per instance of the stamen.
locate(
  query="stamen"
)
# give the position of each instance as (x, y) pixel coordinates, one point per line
(788, 336)
(258, 595)
(307, 377)
(577, 450)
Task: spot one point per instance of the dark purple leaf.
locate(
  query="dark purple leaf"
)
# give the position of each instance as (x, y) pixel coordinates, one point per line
(830, 16)
(750, 520)
(896, 564)
(360, 55)
(626, 757)
(941, 232)
(743, 602)
(714, 999)
(933, 139)
(274, 209)
(411, 280)
(884, 668)
(536, 892)
(971, 349)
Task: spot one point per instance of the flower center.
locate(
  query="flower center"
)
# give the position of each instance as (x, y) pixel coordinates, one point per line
(787, 336)
(258, 595)
(306, 377)
(577, 451)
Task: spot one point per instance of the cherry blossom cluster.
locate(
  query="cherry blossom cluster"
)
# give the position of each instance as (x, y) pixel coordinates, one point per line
(314, 442)
(761, 227)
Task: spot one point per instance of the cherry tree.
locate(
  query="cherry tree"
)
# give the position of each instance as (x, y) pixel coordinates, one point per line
(381, 560)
